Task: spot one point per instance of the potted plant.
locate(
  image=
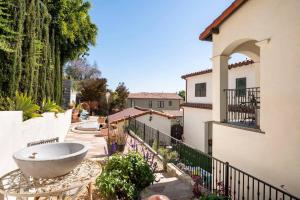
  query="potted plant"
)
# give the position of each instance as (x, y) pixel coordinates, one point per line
(121, 139)
(111, 143)
(76, 113)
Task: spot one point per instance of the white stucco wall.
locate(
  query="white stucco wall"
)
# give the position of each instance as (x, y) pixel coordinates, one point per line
(195, 131)
(191, 81)
(262, 155)
(275, 157)
(247, 71)
(73, 96)
(15, 134)
(163, 124)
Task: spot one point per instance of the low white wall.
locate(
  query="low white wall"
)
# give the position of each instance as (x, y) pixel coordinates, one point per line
(195, 131)
(163, 124)
(266, 156)
(16, 133)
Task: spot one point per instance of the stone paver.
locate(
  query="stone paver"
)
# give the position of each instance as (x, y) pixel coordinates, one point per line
(171, 187)
(97, 145)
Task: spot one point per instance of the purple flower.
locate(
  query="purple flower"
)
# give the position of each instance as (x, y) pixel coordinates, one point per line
(114, 147)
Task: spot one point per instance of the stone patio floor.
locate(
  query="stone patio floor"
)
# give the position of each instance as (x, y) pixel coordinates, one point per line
(96, 145)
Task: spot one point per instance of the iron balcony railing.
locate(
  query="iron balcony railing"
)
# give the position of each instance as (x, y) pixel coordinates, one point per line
(212, 174)
(243, 107)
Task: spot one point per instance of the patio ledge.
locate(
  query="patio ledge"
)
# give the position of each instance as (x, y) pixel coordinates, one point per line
(240, 127)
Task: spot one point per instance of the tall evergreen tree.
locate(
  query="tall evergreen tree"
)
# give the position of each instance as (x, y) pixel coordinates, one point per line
(37, 37)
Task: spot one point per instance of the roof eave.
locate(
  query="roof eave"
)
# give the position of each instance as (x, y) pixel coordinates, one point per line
(206, 35)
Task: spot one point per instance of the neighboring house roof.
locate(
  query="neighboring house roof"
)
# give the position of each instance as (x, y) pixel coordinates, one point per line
(135, 112)
(175, 113)
(154, 95)
(125, 114)
(214, 26)
(231, 66)
(197, 105)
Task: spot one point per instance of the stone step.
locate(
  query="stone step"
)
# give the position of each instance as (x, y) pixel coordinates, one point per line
(171, 187)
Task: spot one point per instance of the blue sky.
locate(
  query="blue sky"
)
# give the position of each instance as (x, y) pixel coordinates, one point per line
(149, 44)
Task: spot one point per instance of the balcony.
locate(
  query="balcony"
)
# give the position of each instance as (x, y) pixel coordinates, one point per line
(243, 107)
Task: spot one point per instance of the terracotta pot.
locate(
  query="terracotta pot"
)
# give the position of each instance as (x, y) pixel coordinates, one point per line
(112, 148)
(75, 116)
(120, 147)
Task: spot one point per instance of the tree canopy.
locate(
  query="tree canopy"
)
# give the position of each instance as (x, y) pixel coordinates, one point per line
(182, 94)
(93, 89)
(80, 69)
(119, 97)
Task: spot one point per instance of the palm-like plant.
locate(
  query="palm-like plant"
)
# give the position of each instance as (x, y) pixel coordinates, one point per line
(24, 103)
(50, 106)
(168, 156)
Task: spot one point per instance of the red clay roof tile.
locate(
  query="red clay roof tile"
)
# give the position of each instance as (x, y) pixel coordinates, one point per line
(135, 112)
(207, 33)
(197, 105)
(231, 66)
(154, 95)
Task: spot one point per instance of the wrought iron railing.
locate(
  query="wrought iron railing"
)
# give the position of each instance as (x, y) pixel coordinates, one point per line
(213, 175)
(243, 106)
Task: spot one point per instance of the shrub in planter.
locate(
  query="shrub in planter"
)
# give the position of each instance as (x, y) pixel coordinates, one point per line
(50, 106)
(116, 142)
(127, 171)
(23, 102)
(121, 139)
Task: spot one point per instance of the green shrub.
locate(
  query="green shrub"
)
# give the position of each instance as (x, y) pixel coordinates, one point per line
(127, 171)
(155, 144)
(3, 104)
(24, 103)
(50, 106)
(113, 186)
(168, 156)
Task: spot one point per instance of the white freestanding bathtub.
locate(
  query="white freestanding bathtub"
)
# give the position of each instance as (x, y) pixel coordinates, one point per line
(50, 160)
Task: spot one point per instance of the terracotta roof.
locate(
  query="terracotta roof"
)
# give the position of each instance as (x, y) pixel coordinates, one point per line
(125, 114)
(197, 105)
(214, 26)
(206, 71)
(231, 66)
(153, 95)
(135, 112)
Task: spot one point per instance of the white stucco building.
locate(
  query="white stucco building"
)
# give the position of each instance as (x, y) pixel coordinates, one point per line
(198, 107)
(257, 130)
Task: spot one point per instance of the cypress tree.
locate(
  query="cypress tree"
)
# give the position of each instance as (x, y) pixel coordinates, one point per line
(37, 37)
(19, 17)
